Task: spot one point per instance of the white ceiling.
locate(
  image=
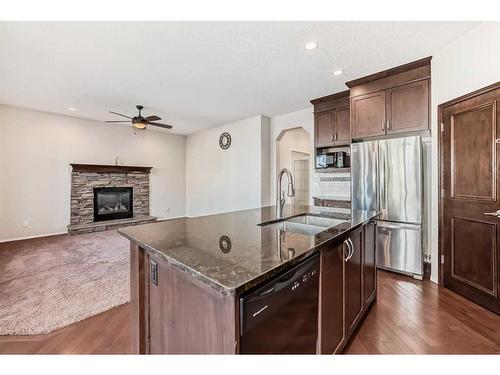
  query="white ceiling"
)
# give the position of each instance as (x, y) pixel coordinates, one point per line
(199, 74)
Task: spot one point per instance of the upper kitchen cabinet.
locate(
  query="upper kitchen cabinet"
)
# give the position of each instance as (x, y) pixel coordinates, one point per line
(368, 115)
(332, 120)
(408, 107)
(391, 102)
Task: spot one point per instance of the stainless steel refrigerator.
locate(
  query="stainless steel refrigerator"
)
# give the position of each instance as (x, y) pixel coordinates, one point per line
(386, 176)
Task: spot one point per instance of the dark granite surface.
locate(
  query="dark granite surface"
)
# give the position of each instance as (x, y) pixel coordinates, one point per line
(198, 247)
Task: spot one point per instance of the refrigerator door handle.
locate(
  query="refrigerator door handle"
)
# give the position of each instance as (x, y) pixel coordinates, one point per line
(381, 175)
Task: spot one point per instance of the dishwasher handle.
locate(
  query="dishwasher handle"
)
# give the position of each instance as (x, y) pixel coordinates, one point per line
(282, 282)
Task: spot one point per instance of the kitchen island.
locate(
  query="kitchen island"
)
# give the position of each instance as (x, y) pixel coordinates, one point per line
(188, 274)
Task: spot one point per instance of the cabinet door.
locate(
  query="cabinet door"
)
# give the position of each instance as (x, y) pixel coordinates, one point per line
(332, 330)
(369, 266)
(353, 283)
(342, 125)
(368, 115)
(187, 316)
(324, 128)
(408, 107)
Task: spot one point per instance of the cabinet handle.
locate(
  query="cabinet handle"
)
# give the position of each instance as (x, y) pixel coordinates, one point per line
(154, 273)
(382, 127)
(346, 258)
(352, 248)
(333, 137)
(388, 125)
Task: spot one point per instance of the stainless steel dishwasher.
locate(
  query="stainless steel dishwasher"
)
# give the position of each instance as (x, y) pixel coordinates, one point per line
(281, 317)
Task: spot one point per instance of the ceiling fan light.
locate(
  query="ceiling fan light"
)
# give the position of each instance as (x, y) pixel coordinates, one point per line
(140, 125)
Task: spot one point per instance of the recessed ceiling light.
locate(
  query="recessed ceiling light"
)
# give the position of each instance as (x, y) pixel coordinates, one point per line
(337, 72)
(72, 109)
(311, 45)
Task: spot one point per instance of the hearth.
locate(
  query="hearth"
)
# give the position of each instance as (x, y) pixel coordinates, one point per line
(113, 203)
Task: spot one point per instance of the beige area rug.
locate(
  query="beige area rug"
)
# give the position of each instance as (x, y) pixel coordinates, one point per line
(46, 284)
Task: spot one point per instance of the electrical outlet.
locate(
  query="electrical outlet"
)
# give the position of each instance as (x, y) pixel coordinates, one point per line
(25, 224)
(166, 209)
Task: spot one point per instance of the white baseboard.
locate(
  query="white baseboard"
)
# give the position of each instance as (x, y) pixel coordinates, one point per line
(31, 237)
(169, 218)
(59, 233)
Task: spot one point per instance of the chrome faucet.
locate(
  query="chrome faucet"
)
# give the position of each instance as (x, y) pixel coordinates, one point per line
(280, 196)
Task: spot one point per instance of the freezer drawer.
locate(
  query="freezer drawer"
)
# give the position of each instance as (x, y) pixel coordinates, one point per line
(399, 247)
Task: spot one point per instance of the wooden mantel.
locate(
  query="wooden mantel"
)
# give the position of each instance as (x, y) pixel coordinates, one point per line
(110, 168)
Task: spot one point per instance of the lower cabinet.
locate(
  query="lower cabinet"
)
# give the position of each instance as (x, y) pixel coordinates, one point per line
(369, 265)
(354, 282)
(347, 287)
(331, 319)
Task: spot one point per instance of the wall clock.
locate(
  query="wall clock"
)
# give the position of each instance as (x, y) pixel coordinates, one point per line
(225, 141)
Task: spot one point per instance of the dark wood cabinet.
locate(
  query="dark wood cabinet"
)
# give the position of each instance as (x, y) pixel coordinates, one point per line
(324, 128)
(332, 120)
(369, 265)
(368, 115)
(408, 107)
(347, 288)
(391, 102)
(331, 319)
(343, 125)
(175, 313)
(354, 282)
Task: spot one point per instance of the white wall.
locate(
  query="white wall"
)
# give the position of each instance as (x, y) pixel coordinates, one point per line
(468, 63)
(292, 140)
(227, 180)
(304, 119)
(37, 147)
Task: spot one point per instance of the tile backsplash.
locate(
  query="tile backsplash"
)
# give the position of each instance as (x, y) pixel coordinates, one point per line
(331, 184)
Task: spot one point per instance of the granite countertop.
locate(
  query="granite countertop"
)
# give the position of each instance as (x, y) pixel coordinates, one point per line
(256, 253)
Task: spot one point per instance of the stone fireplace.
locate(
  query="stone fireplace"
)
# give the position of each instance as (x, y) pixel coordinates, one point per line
(108, 196)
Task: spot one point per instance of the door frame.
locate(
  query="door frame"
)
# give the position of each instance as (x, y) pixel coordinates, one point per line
(441, 108)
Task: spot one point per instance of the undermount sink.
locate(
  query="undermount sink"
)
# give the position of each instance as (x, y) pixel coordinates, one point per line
(317, 221)
(308, 225)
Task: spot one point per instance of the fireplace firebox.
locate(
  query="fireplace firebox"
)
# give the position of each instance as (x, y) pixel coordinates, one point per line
(113, 203)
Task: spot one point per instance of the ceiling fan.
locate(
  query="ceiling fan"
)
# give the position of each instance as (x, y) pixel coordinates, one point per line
(140, 122)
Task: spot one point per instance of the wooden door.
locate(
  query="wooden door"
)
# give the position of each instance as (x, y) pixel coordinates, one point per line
(325, 129)
(354, 283)
(408, 107)
(331, 318)
(470, 165)
(368, 115)
(342, 125)
(369, 266)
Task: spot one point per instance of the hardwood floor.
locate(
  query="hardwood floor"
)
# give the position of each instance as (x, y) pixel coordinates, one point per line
(106, 333)
(419, 317)
(409, 317)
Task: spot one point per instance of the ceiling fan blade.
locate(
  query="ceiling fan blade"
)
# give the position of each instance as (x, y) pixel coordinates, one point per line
(119, 114)
(152, 118)
(119, 121)
(160, 125)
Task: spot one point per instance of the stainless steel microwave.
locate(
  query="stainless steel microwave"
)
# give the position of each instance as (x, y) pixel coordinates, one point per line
(330, 159)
